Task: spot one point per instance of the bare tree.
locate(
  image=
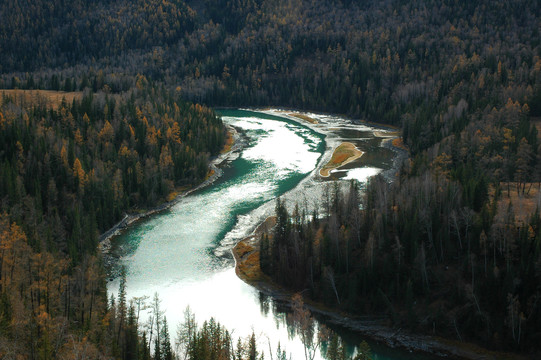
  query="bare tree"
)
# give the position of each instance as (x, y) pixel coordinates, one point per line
(329, 274)
(155, 319)
(185, 332)
(305, 326)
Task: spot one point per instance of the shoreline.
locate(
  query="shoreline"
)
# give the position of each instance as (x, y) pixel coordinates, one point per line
(247, 268)
(104, 242)
(246, 252)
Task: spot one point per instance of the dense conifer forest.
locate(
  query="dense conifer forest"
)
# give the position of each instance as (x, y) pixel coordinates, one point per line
(68, 174)
(457, 234)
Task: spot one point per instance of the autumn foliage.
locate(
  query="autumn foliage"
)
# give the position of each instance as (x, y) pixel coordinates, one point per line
(68, 173)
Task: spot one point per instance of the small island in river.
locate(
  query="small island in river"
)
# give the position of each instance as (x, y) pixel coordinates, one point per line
(342, 155)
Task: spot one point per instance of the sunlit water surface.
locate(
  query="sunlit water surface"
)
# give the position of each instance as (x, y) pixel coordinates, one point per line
(183, 253)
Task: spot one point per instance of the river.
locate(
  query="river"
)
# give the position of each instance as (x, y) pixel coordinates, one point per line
(184, 253)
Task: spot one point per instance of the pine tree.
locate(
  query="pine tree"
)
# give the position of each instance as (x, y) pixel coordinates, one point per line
(131, 348)
(332, 349)
(252, 347)
(264, 254)
(157, 314)
(239, 351)
(166, 351)
(144, 353)
(364, 352)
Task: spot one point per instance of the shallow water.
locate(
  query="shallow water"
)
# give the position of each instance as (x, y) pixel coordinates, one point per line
(183, 253)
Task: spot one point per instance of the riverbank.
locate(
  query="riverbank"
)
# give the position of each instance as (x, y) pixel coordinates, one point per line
(389, 135)
(214, 172)
(246, 254)
(304, 117)
(247, 268)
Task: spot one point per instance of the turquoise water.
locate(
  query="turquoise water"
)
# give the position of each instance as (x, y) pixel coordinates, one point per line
(183, 253)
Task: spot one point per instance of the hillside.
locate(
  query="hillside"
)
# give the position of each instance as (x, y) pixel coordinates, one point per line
(461, 79)
(71, 165)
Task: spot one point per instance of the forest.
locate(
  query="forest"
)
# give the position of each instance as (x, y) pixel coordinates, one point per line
(69, 174)
(462, 79)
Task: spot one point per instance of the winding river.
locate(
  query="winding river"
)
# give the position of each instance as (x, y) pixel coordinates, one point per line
(183, 253)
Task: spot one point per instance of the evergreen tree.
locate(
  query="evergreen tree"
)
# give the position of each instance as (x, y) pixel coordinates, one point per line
(166, 352)
(364, 352)
(252, 347)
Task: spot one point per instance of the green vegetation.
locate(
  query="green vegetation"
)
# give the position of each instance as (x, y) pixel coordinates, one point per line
(69, 174)
(418, 253)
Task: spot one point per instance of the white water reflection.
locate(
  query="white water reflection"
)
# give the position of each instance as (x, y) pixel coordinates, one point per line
(280, 145)
(172, 253)
(232, 303)
(360, 174)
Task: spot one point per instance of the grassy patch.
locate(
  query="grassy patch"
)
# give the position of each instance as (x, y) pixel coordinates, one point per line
(243, 248)
(343, 154)
(246, 253)
(210, 173)
(338, 159)
(247, 261)
(48, 98)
